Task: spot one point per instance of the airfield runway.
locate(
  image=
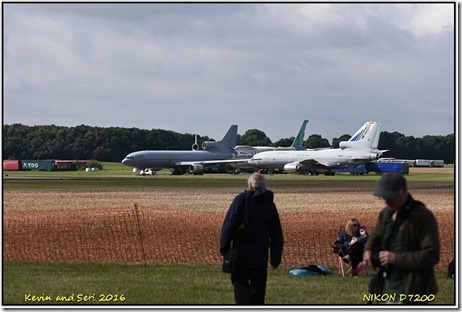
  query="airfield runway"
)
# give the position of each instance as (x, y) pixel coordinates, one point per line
(183, 225)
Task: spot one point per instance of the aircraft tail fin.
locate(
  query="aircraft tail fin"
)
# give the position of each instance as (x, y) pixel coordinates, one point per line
(367, 137)
(226, 144)
(230, 138)
(297, 144)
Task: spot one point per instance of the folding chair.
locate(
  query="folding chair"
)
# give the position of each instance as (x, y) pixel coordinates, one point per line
(344, 266)
(341, 262)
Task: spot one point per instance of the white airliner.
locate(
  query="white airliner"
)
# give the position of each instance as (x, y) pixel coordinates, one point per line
(360, 149)
(195, 160)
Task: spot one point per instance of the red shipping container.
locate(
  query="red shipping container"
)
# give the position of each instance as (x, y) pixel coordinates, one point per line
(10, 165)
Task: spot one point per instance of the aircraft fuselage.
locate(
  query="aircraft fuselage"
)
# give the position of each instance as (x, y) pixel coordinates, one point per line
(332, 159)
(169, 159)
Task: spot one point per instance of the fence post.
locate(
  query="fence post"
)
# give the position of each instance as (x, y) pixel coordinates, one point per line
(139, 233)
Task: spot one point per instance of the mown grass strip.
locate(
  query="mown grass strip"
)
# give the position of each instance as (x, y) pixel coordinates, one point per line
(99, 180)
(177, 284)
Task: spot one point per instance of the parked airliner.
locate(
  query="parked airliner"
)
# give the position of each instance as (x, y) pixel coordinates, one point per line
(195, 160)
(360, 149)
(247, 151)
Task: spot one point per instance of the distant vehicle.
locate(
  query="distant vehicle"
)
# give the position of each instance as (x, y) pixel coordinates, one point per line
(182, 161)
(416, 162)
(43, 165)
(437, 163)
(423, 162)
(381, 167)
(11, 165)
(360, 149)
(378, 167)
(145, 172)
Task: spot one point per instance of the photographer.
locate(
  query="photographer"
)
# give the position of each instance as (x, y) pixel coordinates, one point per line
(404, 242)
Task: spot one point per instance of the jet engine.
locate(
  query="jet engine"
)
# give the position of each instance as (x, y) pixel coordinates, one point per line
(205, 144)
(195, 146)
(374, 156)
(371, 156)
(292, 167)
(196, 168)
(210, 145)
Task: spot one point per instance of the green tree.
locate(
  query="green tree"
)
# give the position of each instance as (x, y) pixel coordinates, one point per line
(316, 141)
(102, 153)
(14, 141)
(284, 142)
(112, 144)
(255, 137)
(336, 141)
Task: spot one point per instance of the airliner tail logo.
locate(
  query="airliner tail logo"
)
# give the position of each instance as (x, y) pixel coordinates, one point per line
(361, 134)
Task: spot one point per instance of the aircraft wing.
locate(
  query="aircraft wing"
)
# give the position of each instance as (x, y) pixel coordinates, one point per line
(312, 163)
(211, 162)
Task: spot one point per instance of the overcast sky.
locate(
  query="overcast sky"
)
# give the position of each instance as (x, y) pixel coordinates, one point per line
(199, 68)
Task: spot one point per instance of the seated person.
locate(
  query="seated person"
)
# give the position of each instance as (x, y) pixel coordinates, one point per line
(351, 244)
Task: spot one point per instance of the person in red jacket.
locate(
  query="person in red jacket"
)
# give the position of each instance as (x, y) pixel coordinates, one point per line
(253, 226)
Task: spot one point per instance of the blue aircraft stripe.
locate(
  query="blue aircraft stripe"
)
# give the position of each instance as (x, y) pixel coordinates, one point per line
(361, 135)
(358, 136)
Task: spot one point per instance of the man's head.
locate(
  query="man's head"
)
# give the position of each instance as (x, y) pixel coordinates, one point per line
(256, 181)
(392, 187)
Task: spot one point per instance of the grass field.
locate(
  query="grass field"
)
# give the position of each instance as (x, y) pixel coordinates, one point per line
(116, 175)
(173, 284)
(319, 199)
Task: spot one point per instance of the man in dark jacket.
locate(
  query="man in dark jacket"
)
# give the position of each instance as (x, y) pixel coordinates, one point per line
(252, 225)
(404, 242)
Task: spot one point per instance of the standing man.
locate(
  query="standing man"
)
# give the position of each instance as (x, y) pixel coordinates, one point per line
(404, 242)
(252, 224)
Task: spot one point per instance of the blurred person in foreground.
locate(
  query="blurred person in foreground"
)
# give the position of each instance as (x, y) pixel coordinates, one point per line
(404, 242)
(351, 244)
(252, 224)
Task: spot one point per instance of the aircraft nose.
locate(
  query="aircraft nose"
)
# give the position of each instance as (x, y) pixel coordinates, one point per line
(126, 161)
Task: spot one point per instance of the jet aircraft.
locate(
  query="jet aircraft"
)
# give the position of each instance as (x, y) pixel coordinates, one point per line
(247, 151)
(361, 148)
(195, 160)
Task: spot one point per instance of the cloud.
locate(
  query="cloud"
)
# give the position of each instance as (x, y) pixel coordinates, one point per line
(430, 19)
(202, 67)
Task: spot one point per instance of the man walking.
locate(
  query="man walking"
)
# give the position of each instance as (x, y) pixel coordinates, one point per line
(252, 225)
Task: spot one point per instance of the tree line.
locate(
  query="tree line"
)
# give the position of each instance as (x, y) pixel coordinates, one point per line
(114, 143)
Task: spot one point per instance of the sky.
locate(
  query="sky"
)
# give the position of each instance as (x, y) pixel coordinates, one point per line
(202, 67)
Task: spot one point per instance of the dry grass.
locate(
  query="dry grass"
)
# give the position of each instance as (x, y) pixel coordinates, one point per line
(217, 200)
(172, 218)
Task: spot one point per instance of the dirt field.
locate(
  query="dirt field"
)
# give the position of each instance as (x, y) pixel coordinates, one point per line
(183, 225)
(429, 170)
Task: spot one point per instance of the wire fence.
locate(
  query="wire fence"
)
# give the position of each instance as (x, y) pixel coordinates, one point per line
(144, 235)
